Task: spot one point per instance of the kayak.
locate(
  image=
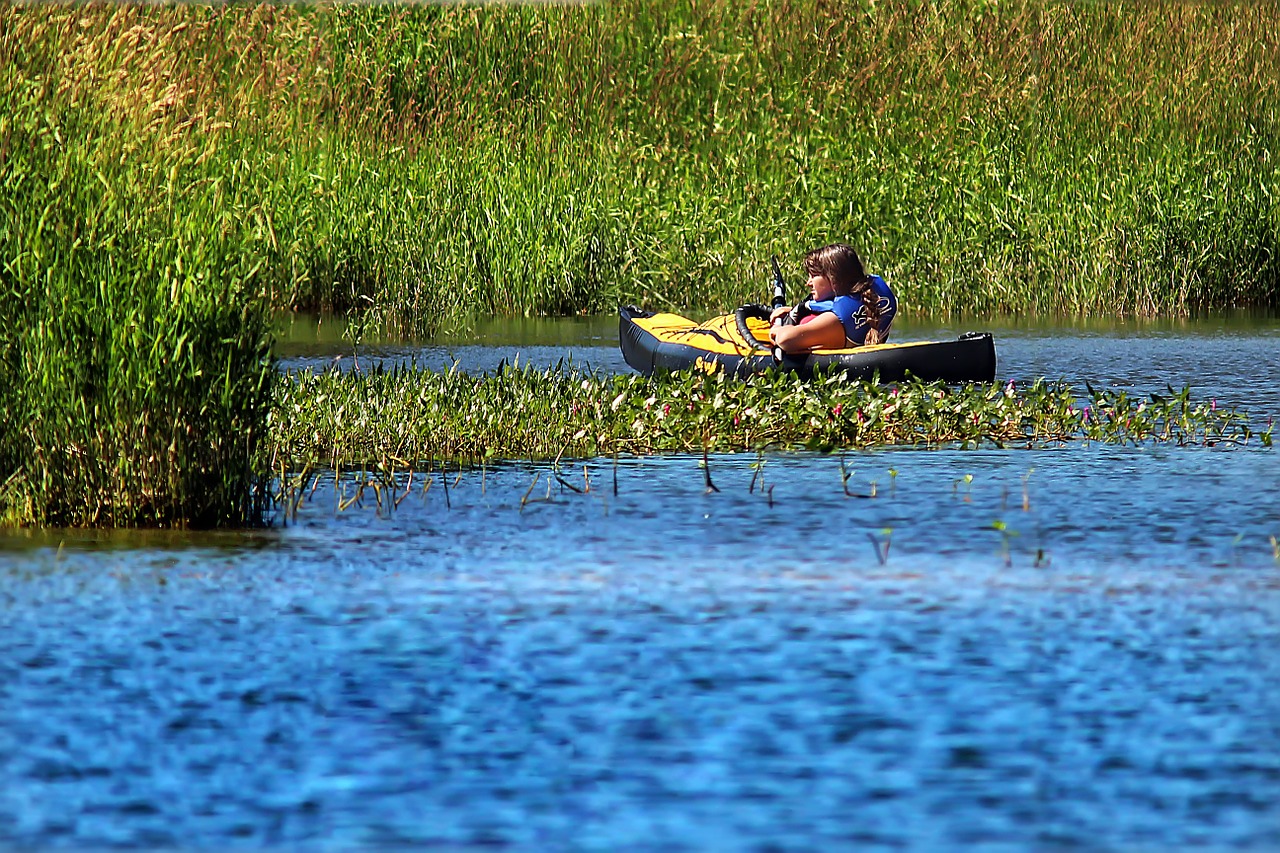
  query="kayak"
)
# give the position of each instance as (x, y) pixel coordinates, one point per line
(738, 344)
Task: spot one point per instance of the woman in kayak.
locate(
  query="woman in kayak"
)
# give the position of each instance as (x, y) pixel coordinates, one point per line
(849, 308)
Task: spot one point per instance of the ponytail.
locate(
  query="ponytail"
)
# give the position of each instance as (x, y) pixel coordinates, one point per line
(866, 291)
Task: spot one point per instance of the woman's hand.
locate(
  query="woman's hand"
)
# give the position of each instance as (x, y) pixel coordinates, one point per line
(778, 313)
(822, 332)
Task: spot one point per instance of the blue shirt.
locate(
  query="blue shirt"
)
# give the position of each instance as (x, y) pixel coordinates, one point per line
(852, 312)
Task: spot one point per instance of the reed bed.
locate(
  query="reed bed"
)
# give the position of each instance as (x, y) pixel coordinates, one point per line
(169, 175)
(136, 344)
(406, 418)
(1089, 158)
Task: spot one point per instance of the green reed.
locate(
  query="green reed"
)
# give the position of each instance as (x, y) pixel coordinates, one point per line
(1060, 157)
(169, 173)
(403, 417)
(136, 343)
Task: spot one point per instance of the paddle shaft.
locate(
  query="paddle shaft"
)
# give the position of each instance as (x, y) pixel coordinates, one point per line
(779, 285)
(779, 301)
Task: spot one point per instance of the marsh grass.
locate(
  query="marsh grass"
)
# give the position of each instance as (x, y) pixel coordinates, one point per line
(136, 345)
(169, 173)
(1089, 158)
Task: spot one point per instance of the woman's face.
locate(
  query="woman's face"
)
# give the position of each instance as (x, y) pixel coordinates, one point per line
(821, 288)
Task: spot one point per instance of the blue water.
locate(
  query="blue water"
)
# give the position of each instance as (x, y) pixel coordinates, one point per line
(1003, 649)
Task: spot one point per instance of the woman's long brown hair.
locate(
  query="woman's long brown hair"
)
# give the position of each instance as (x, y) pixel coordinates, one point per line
(843, 268)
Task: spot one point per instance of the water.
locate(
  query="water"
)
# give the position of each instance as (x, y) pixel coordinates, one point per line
(1002, 649)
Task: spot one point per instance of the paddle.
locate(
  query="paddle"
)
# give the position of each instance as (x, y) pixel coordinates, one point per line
(779, 285)
(763, 313)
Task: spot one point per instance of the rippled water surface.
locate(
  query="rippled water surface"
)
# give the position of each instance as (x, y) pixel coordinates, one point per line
(1072, 647)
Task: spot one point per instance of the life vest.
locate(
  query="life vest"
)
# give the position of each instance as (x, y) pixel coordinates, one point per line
(852, 312)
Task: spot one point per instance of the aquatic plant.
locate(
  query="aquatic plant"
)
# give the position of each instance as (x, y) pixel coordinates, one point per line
(405, 416)
(1011, 157)
(1006, 540)
(134, 341)
(169, 172)
(881, 545)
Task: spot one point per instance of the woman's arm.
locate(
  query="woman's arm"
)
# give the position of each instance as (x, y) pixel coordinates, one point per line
(822, 332)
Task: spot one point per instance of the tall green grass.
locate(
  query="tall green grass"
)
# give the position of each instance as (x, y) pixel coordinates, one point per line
(1088, 158)
(170, 174)
(136, 347)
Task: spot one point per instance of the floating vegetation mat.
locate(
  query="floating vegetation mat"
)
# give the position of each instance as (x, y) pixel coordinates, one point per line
(397, 418)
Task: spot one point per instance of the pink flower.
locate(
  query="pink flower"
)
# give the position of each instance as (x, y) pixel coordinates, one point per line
(837, 409)
(861, 418)
(666, 408)
(1213, 404)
